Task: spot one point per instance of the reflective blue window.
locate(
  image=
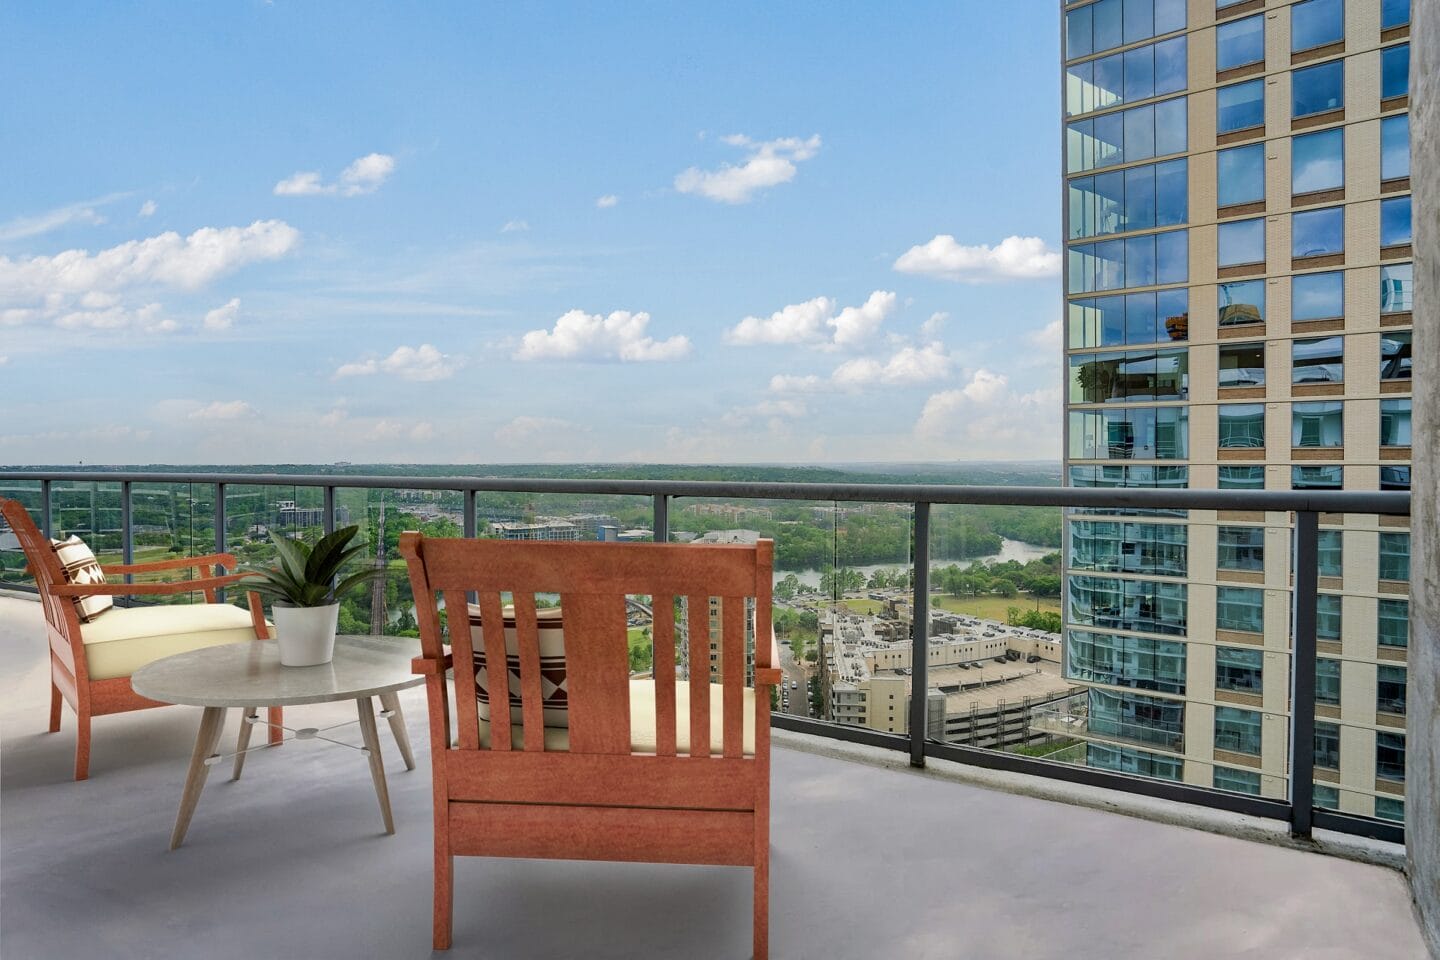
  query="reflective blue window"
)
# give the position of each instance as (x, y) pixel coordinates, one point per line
(1172, 256)
(1319, 424)
(1317, 161)
(1109, 81)
(1242, 478)
(1395, 147)
(1126, 136)
(1238, 731)
(1240, 106)
(1242, 365)
(1394, 221)
(1241, 302)
(1240, 608)
(1130, 433)
(1107, 24)
(1397, 288)
(1395, 71)
(1317, 89)
(1171, 131)
(1317, 296)
(1316, 233)
(1140, 262)
(1395, 422)
(1171, 74)
(1315, 23)
(1138, 662)
(1077, 33)
(1317, 478)
(1139, 74)
(1396, 358)
(1121, 604)
(1240, 175)
(1138, 762)
(1139, 133)
(1240, 42)
(1169, 16)
(1320, 360)
(1139, 20)
(1241, 242)
(1242, 427)
(1134, 716)
(1172, 193)
(1394, 13)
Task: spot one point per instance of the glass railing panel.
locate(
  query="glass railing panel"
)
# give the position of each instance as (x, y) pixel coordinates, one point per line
(564, 516)
(168, 521)
(90, 510)
(12, 559)
(254, 511)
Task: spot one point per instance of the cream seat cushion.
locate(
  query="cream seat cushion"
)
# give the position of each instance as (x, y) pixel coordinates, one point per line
(642, 721)
(126, 638)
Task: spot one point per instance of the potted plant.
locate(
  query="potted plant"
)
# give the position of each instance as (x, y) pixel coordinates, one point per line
(305, 588)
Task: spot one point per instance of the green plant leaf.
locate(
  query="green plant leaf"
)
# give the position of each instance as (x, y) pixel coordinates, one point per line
(327, 556)
(294, 555)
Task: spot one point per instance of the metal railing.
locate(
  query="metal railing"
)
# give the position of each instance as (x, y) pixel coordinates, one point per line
(1306, 506)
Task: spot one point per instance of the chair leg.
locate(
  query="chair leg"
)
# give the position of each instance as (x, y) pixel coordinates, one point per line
(55, 702)
(276, 716)
(444, 890)
(82, 744)
(761, 946)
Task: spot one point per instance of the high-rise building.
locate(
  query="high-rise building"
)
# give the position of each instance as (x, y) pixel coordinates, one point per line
(1238, 287)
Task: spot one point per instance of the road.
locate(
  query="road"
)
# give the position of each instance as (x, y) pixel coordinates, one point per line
(794, 674)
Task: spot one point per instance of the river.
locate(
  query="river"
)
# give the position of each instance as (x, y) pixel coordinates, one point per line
(1009, 550)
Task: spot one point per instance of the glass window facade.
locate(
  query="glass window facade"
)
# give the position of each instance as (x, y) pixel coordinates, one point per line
(1242, 478)
(1317, 89)
(1240, 548)
(1390, 808)
(1397, 288)
(1241, 302)
(1317, 296)
(1139, 762)
(1111, 23)
(1136, 318)
(1328, 618)
(1393, 622)
(1240, 175)
(1125, 136)
(1134, 375)
(1395, 71)
(1395, 359)
(1240, 42)
(1139, 662)
(1242, 365)
(1390, 689)
(1138, 74)
(1395, 147)
(1395, 556)
(1394, 221)
(1237, 731)
(1156, 258)
(1133, 433)
(1325, 797)
(1318, 360)
(1395, 422)
(1394, 13)
(1150, 549)
(1317, 161)
(1327, 681)
(1236, 781)
(1317, 233)
(1155, 195)
(1320, 424)
(1240, 608)
(1390, 757)
(1242, 425)
(1316, 23)
(1331, 554)
(1238, 669)
(1147, 606)
(1134, 716)
(1317, 478)
(1327, 745)
(1240, 106)
(1242, 242)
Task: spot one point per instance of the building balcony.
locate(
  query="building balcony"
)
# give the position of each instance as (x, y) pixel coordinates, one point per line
(867, 861)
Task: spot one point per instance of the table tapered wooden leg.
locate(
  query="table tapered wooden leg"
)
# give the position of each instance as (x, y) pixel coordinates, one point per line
(391, 702)
(366, 708)
(243, 743)
(212, 723)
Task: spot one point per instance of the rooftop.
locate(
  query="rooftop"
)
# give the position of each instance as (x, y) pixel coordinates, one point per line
(869, 859)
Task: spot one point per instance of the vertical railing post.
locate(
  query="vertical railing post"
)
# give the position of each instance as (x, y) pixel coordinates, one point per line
(467, 522)
(1302, 672)
(127, 538)
(920, 637)
(329, 508)
(220, 536)
(662, 518)
(46, 524)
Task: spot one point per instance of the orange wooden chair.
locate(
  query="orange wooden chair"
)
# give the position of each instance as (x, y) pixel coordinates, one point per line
(91, 660)
(649, 769)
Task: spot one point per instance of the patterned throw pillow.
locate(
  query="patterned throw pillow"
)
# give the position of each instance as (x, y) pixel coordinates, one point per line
(80, 566)
(552, 666)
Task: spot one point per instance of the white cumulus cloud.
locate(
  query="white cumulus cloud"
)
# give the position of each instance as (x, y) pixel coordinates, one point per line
(905, 367)
(583, 336)
(988, 419)
(223, 410)
(364, 175)
(767, 163)
(816, 323)
(932, 326)
(607, 201)
(423, 363)
(86, 212)
(223, 317)
(524, 428)
(1014, 258)
(147, 209)
(515, 226)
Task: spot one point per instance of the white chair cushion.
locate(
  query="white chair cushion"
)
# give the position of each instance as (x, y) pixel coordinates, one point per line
(127, 638)
(78, 562)
(642, 721)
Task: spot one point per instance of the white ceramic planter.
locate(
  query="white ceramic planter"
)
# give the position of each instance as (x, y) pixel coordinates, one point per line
(306, 634)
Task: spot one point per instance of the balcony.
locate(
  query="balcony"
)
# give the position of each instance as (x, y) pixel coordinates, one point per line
(867, 861)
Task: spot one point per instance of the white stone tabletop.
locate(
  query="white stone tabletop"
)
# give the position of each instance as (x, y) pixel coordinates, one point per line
(250, 674)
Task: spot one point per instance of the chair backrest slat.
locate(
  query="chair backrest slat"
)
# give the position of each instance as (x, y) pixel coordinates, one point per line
(463, 650)
(597, 672)
(699, 620)
(531, 705)
(662, 638)
(732, 656)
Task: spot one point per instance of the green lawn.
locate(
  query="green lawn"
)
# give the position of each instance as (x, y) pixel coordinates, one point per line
(867, 607)
(991, 608)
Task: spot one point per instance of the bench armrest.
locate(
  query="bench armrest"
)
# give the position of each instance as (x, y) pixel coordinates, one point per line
(178, 563)
(427, 667)
(772, 675)
(136, 589)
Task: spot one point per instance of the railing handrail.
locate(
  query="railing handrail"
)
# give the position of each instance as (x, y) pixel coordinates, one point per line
(1387, 502)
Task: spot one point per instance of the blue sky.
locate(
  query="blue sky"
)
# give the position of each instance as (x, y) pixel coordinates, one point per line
(305, 232)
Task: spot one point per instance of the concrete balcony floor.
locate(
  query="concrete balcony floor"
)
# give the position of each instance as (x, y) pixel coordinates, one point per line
(290, 862)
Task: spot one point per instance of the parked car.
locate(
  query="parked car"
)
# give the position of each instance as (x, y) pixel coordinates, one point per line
(1033, 658)
(794, 684)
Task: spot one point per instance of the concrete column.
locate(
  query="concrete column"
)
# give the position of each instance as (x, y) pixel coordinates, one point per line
(1422, 774)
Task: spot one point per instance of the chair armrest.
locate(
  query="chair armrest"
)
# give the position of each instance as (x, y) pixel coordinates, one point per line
(178, 563)
(135, 589)
(773, 675)
(427, 667)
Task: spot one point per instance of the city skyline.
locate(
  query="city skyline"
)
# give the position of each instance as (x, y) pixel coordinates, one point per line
(761, 236)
